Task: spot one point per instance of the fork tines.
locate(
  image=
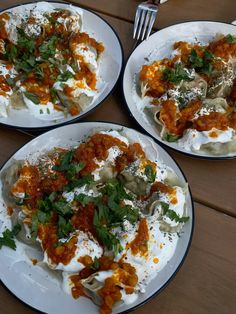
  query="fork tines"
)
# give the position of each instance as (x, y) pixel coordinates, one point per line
(144, 20)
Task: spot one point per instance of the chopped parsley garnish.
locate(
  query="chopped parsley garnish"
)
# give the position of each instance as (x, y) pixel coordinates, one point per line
(95, 266)
(63, 208)
(65, 76)
(48, 48)
(38, 218)
(171, 137)
(64, 227)
(34, 98)
(65, 161)
(77, 183)
(150, 173)
(24, 41)
(72, 169)
(202, 64)
(7, 238)
(110, 214)
(10, 81)
(51, 19)
(230, 39)
(172, 214)
(108, 239)
(39, 73)
(177, 74)
(26, 63)
(11, 52)
(54, 96)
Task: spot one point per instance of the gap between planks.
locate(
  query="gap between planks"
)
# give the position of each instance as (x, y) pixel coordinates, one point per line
(102, 12)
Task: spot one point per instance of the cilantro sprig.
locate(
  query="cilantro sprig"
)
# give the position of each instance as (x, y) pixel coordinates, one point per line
(230, 39)
(65, 76)
(111, 213)
(95, 266)
(172, 214)
(33, 97)
(48, 49)
(171, 137)
(150, 173)
(48, 205)
(7, 238)
(202, 64)
(177, 74)
(71, 169)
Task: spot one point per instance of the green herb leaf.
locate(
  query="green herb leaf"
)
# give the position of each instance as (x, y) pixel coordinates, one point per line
(11, 52)
(172, 214)
(48, 48)
(150, 174)
(10, 81)
(84, 199)
(24, 41)
(171, 137)
(54, 96)
(39, 73)
(95, 266)
(208, 56)
(230, 39)
(196, 61)
(177, 74)
(34, 98)
(65, 76)
(25, 63)
(51, 19)
(64, 227)
(63, 208)
(74, 169)
(65, 161)
(79, 183)
(202, 65)
(107, 238)
(37, 218)
(7, 238)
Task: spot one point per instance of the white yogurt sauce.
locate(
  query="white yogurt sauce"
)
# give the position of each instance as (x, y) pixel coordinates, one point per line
(85, 246)
(193, 139)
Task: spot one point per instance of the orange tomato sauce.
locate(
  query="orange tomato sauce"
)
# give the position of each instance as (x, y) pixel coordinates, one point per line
(221, 48)
(62, 253)
(96, 147)
(110, 293)
(152, 75)
(139, 244)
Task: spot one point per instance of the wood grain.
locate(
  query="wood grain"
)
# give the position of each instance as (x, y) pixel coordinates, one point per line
(171, 12)
(205, 284)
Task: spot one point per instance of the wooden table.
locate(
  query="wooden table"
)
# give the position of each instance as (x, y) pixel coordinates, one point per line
(207, 281)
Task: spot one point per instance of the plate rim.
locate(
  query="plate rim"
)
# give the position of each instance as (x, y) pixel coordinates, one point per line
(83, 115)
(162, 144)
(191, 203)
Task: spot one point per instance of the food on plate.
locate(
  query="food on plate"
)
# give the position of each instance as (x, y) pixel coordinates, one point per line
(106, 214)
(192, 95)
(48, 64)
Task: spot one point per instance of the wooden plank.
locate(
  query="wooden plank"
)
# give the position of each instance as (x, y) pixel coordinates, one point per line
(205, 284)
(171, 12)
(212, 182)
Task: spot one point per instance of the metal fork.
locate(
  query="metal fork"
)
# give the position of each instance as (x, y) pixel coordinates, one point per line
(145, 17)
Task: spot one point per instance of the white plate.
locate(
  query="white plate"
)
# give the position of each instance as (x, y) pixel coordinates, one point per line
(109, 68)
(158, 46)
(32, 284)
